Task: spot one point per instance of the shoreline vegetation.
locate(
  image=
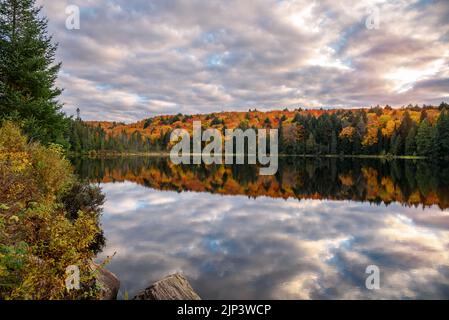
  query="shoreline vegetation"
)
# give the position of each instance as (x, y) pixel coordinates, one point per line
(49, 220)
(106, 154)
(410, 132)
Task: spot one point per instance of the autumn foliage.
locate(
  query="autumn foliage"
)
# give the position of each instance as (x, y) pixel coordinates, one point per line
(411, 183)
(372, 131)
(39, 238)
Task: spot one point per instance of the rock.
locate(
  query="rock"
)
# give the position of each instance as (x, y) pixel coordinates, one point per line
(172, 287)
(107, 281)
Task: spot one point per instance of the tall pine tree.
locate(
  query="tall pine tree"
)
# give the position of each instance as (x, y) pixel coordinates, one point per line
(425, 139)
(442, 135)
(28, 72)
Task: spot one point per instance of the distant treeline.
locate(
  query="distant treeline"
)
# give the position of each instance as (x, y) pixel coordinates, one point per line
(409, 131)
(85, 138)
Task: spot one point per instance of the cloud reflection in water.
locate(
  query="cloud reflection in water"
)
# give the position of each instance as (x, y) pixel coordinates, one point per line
(234, 247)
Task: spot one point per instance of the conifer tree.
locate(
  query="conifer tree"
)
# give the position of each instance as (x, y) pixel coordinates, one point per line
(410, 142)
(442, 135)
(28, 72)
(425, 139)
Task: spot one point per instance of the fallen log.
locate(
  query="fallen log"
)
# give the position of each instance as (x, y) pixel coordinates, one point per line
(172, 287)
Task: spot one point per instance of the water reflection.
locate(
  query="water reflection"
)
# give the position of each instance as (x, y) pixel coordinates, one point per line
(271, 248)
(404, 181)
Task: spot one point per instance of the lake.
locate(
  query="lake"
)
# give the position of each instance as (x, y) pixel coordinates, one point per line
(309, 232)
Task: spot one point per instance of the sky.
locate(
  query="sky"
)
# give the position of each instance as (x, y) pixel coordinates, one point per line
(131, 60)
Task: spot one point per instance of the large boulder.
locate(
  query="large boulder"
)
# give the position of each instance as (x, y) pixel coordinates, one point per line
(108, 282)
(172, 287)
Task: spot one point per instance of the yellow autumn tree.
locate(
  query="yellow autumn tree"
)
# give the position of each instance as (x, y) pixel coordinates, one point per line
(347, 133)
(389, 128)
(370, 137)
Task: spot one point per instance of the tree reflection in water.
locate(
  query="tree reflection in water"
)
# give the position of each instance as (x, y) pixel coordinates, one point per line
(411, 183)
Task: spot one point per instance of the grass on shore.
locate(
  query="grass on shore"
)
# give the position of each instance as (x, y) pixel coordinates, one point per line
(101, 154)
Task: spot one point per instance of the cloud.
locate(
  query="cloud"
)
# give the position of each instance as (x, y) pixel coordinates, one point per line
(135, 59)
(233, 247)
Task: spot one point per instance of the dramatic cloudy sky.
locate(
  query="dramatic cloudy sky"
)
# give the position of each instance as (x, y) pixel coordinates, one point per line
(135, 59)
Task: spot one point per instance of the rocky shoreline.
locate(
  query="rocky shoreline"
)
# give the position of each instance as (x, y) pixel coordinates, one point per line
(172, 287)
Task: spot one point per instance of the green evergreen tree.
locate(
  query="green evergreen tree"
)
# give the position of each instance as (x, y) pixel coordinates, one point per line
(281, 144)
(267, 122)
(357, 144)
(423, 115)
(410, 142)
(334, 143)
(28, 72)
(396, 144)
(406, 125)
(442, 135)
(311, 144)
(443, 106)
(425, 139)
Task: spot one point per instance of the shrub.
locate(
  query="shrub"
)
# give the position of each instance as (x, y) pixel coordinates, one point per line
(40, 235)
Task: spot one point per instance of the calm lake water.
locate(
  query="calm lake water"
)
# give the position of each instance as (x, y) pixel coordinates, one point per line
(307, 233)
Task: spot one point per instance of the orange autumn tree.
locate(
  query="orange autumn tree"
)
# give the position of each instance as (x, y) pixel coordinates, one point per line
(371, 131)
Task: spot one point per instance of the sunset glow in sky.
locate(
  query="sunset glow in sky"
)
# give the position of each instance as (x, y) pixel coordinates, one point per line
(135, 59)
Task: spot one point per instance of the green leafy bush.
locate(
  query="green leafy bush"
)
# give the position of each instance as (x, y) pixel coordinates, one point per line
(44, 227)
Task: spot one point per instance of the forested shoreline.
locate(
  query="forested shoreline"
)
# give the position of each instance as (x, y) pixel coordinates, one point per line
(410, 131)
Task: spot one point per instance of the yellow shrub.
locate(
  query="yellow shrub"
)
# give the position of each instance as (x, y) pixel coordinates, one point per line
(11, 138)
(38, 238)
(53, 172)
